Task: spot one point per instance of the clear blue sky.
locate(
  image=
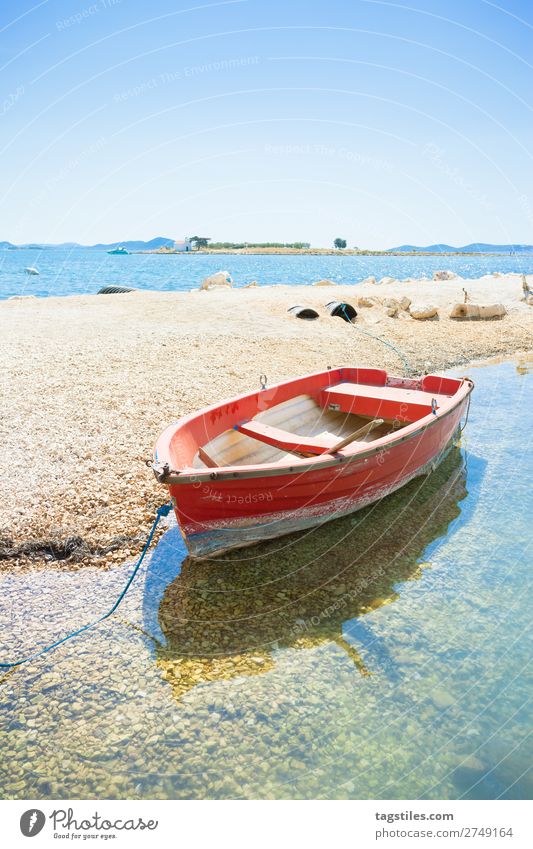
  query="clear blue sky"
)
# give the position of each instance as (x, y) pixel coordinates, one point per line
(380, 122)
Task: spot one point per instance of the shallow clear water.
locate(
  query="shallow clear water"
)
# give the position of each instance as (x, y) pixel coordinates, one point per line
(78, 272)
(385, 655)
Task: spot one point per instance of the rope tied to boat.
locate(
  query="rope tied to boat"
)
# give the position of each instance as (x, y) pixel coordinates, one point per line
(462, 427)
(407, 368)
(162, 511)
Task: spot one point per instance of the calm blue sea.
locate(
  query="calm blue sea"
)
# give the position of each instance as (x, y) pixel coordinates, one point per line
(78, 272)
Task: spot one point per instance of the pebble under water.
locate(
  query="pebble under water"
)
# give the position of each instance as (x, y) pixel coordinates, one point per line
(384, 655)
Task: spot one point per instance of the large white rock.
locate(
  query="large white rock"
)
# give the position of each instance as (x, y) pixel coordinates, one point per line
(479, 311)
(371, 280)
(423, 311)
(219, 278)
(492, 311)
(390, 303)
(444, 275)
(391, 306)
(385, 280)
(405, 303)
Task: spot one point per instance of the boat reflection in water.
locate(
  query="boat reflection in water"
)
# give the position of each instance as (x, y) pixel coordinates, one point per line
(227, 616)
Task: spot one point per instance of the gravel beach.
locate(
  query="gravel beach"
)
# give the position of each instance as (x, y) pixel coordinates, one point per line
(89, 382)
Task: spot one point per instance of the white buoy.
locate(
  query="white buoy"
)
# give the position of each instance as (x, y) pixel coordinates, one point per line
(31, 270)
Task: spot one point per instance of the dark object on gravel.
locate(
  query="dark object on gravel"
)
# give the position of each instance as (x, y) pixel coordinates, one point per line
(342, 309)
(114, 290)
(307, 313)
(73, 548)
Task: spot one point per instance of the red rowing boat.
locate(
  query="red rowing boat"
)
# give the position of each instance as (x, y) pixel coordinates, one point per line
(297, 454)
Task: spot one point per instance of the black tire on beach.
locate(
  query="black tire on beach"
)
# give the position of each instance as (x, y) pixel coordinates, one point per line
(114, 290)
(342, 310)
(307, 313)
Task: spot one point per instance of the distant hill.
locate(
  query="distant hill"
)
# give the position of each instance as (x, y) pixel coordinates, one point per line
(475, 247)
(153, 244)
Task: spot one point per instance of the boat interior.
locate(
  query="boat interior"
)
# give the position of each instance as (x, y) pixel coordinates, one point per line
(320, 414)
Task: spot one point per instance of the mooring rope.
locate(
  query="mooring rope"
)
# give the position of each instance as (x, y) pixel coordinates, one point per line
(467, 413)
(164, 510)
(407, 368)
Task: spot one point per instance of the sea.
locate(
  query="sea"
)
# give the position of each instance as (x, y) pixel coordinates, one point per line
(82, 272)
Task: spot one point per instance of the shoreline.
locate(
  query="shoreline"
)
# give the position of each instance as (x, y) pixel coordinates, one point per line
(355, 289)
(322, 252)
(90, 383)
(273, 251)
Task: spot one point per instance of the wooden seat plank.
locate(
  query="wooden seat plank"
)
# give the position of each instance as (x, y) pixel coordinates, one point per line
(388, 402)
(285, 440)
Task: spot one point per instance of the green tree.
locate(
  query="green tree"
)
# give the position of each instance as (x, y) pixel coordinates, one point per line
(199, 242)
(340, 244)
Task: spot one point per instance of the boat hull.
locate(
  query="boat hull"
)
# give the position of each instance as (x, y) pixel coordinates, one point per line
(216, 515)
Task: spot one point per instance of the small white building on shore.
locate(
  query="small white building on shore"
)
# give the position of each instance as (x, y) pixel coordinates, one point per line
(185, 245)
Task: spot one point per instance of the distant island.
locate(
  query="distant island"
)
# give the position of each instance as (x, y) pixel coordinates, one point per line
(165, 246)
(474, 248)
(305, 248)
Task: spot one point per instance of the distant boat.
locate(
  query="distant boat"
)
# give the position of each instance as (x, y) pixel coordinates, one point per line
(31, 270)
(119, 250)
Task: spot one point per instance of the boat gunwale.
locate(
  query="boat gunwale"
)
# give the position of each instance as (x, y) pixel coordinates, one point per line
(319, 462)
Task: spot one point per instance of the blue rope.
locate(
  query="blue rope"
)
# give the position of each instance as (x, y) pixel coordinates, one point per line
(162, 511)
(402, 356)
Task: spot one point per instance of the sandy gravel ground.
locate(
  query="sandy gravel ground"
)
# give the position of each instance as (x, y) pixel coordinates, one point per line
(89, 382)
